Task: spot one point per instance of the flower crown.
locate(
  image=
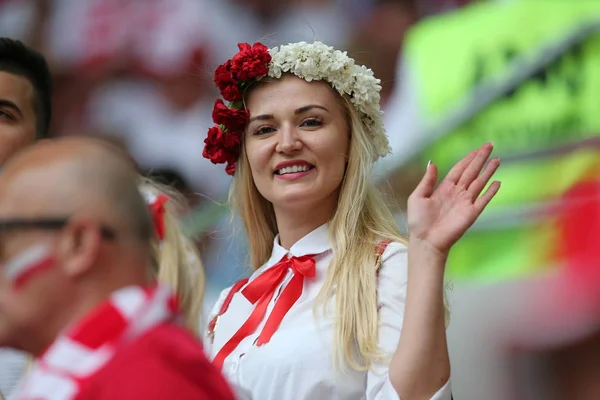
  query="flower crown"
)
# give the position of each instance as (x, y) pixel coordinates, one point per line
(309, 61)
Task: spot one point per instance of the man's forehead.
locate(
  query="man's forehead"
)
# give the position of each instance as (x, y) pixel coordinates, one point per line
(58, 175)
(16, 88)
(29, 191)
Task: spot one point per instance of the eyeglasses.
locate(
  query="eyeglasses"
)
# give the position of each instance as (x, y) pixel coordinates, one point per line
(46, 224)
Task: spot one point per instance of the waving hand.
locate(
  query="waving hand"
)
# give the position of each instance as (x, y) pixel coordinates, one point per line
(440, 215)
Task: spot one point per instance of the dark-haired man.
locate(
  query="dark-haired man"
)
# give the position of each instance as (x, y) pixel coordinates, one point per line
(25, 97)
(25, 112)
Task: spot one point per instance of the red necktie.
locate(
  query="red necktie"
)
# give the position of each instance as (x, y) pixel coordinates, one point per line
(260, 292)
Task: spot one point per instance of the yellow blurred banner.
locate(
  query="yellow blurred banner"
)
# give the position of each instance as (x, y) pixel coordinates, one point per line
(525, 75)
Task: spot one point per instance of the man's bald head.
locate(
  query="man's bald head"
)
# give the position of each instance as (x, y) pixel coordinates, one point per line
(74, 202)
(84, 176)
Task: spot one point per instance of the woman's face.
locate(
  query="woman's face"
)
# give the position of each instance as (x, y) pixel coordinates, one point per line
(297, 143)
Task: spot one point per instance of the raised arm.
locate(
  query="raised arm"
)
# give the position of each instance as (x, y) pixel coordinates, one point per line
(437, 218)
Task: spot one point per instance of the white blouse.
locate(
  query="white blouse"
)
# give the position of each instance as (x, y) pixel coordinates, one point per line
(297, 363)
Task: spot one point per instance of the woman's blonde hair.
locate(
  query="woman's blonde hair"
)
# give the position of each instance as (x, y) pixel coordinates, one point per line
(361, 221)
(177, 259)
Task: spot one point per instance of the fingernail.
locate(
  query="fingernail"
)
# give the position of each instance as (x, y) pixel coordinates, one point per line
(490, 143)
(428, 164)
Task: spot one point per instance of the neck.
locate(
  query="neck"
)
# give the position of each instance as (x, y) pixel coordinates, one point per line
(293, 224)
(68, 313)
(88, 295)
(36, 341)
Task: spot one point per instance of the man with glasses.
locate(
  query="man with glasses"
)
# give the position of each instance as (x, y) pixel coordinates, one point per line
(75, 291)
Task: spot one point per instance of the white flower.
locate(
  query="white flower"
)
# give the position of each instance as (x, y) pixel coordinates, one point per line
(317, 61)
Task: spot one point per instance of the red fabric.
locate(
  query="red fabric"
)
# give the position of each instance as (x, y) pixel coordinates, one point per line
(168, 362)
(579, 224)
(260, 292)
(112, 325)
(302, 266)
(157, 210)
(579, 245)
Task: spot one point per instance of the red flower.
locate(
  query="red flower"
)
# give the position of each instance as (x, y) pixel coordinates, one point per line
(227, 140)
(223, 144)
(233, 119)
(221, 147)
(216, 136)
(232, 141)
(230, 169)
(250, 62)
(218, 155)
(227, 84)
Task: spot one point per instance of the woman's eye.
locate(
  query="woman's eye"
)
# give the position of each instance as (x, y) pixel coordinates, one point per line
(312, 122)
(263, 130)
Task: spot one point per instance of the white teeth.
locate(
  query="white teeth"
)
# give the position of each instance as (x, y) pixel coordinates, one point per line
(292, 169)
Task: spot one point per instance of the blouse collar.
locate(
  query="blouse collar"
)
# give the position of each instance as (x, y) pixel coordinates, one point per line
(316, 242)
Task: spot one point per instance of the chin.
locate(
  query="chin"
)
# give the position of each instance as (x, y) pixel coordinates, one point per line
(301, 200)
(296, 198)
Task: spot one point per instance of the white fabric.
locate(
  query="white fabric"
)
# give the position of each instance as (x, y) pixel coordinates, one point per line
(12, 367)
(66, 353)
(150, 194)
(128, 302)
(297, 363)
(47, 383)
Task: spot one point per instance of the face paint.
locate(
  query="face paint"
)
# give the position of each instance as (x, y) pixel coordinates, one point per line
(29, 263)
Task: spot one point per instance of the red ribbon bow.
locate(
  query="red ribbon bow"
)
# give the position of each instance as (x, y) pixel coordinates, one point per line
(157, 211)
(260, 292)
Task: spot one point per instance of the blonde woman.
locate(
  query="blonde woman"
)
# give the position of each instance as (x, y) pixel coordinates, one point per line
(341, 305)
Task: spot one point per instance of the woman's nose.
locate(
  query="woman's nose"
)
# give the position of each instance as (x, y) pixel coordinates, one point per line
(289, 141)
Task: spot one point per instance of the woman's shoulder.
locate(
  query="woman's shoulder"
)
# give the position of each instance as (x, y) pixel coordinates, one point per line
(394, 262)
(392, 249)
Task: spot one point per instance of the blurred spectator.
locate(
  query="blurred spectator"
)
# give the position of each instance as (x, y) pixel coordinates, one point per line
(378, 40)
(162, 125)
(567, 369)
(18, 19)
(160, 109)
(312, 20)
